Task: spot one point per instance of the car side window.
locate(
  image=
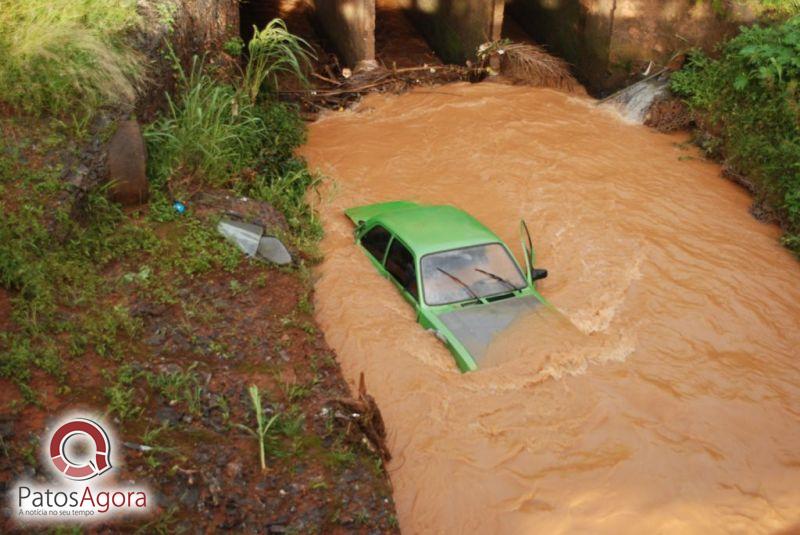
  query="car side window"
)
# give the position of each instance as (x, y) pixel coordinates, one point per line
(375, 241)
(400, 264)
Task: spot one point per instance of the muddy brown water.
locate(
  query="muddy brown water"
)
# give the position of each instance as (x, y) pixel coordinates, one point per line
(667, 398)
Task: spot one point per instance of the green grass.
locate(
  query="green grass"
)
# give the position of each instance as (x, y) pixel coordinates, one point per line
(56, 280)
(209, 133)
(68, 56)
(263, 425)
(179, 386)
(121, 394)
(778, 8)
(749, 103)
(64, 303)
(201, 249)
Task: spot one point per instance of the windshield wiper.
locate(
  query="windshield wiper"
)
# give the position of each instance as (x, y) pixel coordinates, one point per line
(462, 283)
(498, 278)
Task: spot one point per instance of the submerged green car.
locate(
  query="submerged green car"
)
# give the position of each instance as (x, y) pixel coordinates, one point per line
(460, 277)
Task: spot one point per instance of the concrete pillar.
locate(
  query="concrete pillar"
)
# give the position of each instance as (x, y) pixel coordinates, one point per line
(350, 25)
(455, 28)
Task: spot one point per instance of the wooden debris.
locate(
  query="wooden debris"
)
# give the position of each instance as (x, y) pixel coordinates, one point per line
(531, 65)
(341, 91)
(365, 413)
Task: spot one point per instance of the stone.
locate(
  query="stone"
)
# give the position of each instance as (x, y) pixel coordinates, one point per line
(233, 469)
(127, 165)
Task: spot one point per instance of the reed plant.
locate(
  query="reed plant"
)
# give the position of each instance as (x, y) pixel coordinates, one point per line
(271, 52)
(262, 425)
(209, 131)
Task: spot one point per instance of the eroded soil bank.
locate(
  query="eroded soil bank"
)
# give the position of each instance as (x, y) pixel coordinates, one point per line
(673, 408)
(160, 339)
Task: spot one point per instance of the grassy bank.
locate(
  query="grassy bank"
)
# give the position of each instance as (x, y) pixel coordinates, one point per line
(68, 56)
(746, 104)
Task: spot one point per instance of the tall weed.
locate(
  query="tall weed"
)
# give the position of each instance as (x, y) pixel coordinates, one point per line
(272, 51)
(209, 132)
(68, 56)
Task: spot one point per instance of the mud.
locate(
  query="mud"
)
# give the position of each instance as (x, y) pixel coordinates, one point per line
(665, 398)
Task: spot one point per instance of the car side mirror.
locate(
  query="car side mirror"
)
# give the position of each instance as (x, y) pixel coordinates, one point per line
(538, 274)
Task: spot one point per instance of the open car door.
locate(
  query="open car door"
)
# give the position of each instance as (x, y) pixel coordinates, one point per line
(531, 273)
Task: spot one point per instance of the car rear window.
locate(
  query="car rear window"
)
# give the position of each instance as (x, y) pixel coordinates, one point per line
(375, 241)
(400, 264)
(479, 267)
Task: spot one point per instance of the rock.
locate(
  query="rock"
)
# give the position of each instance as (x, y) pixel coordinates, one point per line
(168, 415)
(190, 497)
(233, 470)
(144, 309)
(252, 211)
(127, 161)
(157, 339)
(6, 429)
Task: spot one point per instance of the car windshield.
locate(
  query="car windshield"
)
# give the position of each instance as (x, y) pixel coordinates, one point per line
(462, 274)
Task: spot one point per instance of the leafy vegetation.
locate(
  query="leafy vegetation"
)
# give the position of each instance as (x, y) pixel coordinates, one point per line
(50, 274)
(68, 55)
(238, 136)
(747, 102)
(210, 133)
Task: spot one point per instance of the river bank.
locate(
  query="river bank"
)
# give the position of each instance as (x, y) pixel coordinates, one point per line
(161, 330)
(744, 104)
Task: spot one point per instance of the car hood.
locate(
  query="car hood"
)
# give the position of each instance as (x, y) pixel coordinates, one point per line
(476, 326)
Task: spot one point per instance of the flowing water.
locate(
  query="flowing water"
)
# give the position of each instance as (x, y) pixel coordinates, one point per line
(667, 396)
(635, 101)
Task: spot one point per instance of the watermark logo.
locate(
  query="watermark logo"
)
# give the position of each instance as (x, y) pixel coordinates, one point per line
(80, 471)
(78, 453)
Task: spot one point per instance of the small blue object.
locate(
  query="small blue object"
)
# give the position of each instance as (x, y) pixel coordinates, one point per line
(179, 207)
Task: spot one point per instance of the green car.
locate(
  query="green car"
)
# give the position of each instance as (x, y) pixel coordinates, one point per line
(460, 277)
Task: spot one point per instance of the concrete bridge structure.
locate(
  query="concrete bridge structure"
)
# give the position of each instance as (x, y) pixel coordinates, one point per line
(607, 42)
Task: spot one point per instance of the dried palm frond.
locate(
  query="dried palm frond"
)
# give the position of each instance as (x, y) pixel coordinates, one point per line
(529, 64)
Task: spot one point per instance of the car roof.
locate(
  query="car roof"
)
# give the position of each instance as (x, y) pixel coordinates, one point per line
(424, 228)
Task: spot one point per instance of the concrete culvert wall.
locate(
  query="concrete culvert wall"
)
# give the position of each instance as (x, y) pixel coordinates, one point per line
(571, 30)
(610, 41)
